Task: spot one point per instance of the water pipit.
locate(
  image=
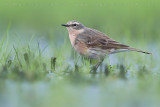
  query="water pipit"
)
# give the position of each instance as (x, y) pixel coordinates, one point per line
(93, 43)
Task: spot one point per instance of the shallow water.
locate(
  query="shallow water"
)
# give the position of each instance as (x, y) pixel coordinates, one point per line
(80, 91)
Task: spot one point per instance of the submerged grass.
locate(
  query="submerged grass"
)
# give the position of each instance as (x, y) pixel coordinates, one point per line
(32, 62)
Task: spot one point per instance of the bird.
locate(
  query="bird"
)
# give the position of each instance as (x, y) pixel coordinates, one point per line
(93, 43)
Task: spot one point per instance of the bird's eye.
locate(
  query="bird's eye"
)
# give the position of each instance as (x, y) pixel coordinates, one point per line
(74, 24)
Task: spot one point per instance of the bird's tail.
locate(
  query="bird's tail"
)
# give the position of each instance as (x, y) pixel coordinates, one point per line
(138, 50)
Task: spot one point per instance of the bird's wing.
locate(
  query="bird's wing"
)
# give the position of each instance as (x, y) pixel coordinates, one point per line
(96, 39)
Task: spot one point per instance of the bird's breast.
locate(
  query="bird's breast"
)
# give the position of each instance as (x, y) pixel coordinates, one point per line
(80, 47)
(72, 39)
(73, 34)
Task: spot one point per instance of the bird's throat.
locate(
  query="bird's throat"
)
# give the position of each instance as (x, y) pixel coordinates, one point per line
(72, 39)
(73, 34)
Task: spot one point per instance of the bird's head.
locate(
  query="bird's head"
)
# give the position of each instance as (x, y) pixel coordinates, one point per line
(74, 26)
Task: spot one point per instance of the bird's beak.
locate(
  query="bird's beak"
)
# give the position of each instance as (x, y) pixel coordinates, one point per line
(65, 25)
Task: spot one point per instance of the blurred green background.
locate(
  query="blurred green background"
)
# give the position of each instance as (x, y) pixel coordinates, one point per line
(138, 17)
(31, 33)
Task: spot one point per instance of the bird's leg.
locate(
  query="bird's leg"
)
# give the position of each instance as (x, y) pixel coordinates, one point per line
(94, 68)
